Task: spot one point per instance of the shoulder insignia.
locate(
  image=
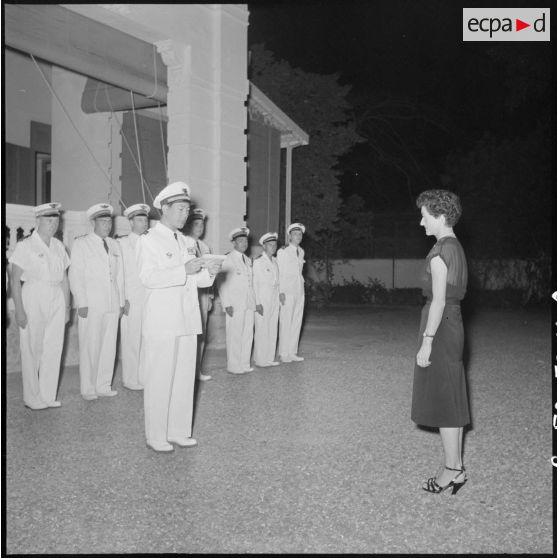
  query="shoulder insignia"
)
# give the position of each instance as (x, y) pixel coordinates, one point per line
(81, 236)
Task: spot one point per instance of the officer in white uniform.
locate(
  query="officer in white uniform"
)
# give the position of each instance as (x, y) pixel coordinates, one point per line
(134, 293)
(290, 260)
(266, 288)
(239, 303)
(42, 306)
(97, 283)
(171, 273)
(196, 228)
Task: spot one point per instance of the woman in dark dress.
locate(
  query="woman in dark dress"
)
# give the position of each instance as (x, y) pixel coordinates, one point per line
(439, 387)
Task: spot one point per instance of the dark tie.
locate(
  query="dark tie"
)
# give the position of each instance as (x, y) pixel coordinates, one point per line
(105, 245)
(244, 259)
(297, 253)
(198, 249)
(176, 238)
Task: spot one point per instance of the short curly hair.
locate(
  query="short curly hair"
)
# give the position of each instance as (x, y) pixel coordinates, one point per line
(441, 202)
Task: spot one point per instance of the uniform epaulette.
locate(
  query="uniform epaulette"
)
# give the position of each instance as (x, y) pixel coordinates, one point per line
(80, 236)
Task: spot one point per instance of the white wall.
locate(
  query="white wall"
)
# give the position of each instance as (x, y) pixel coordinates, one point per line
(26, 97)
(86, 166)
(405, 274)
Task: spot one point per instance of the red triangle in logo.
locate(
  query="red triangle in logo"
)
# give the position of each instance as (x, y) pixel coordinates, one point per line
(519, 25)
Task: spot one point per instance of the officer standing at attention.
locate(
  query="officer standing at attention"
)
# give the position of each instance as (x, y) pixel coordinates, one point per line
(171, 274)
(290, 260)
(266, 289)
(239, 303)
(97, 283)
(42, 306)
(134, 294)
(196, 228)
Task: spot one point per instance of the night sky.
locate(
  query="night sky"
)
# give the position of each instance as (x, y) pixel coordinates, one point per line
(410, 50)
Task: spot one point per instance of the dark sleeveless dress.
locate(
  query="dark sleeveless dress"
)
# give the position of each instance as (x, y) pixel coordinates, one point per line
(440, 390)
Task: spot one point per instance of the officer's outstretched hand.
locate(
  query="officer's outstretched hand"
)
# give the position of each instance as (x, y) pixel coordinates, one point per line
(82, 312)
(229, 311)
(214, 266)
(21, 319)
(282, 298)
(259, 309)
(193, 266)
(126, 307)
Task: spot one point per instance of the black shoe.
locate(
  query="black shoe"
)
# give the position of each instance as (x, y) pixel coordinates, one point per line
(434, 488)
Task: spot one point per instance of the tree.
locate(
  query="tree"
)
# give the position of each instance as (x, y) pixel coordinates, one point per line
(507, 189)
(318, 103)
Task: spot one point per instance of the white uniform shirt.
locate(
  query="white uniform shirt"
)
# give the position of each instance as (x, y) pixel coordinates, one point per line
(39, 261)
(171, 303)
(200, 246)
(237, 290)
(133, 287)
(266, 278)
(97, 278)
(290, 269)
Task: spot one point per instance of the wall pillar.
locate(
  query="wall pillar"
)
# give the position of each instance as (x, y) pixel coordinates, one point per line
(207, 117)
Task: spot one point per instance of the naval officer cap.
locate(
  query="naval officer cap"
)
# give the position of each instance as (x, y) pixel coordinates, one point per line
(137, 209)
(237, 233)
(177, 191)
(48, 209)
(296, 227)
(267, 237)
(100, 210)
(196, 214)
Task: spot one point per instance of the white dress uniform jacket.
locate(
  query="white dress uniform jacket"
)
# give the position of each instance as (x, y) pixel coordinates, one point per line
(171, 323)
(41, 340)
(97, 282)
(205, 295)
(236, 290)
(290, 260)
(130, 325)
(266, 289)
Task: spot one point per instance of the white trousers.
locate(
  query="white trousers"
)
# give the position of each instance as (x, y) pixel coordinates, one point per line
(41, 341)
(265, 338)
(240, 335)
(168, 395)
(97, 350)
(130, 343)
(290, 321)
(202, 337)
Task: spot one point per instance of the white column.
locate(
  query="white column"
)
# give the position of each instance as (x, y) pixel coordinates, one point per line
(288, 189)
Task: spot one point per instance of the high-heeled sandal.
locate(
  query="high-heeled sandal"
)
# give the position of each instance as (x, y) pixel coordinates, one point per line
(434, 488)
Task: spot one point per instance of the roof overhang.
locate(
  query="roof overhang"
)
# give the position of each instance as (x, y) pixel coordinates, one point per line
(259, 105)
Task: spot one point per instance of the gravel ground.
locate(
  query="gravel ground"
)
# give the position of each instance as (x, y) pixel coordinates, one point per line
(319, 456)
